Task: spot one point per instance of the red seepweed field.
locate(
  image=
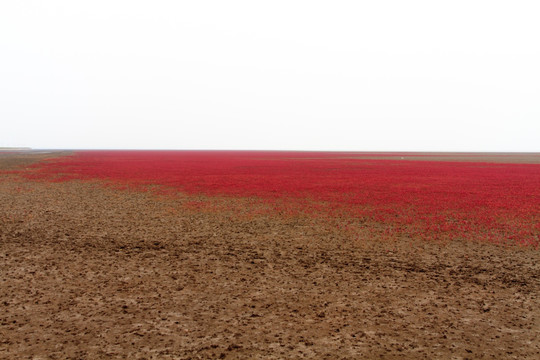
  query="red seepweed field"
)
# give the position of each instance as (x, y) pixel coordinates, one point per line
(269, 255)
(426, 199)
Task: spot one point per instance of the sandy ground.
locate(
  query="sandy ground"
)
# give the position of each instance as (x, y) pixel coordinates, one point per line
(89, 272)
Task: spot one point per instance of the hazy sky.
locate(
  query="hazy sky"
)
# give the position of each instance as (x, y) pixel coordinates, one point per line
(305, 75)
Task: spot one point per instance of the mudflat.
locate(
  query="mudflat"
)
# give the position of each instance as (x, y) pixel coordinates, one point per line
(93, 272)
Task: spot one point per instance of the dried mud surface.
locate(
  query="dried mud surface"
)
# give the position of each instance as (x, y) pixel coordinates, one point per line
(89, 272)
(10, 160)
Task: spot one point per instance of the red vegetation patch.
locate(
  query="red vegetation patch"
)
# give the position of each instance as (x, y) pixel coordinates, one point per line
(422, 199)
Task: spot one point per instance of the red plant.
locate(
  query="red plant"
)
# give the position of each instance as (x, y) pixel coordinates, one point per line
(421, 199)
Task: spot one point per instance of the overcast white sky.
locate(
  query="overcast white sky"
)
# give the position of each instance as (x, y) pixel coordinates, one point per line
(301, 75)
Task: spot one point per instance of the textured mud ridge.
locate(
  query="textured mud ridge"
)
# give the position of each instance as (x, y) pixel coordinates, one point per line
(90, 272)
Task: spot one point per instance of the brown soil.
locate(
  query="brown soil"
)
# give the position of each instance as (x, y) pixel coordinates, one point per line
(92, 272)
(10, 160)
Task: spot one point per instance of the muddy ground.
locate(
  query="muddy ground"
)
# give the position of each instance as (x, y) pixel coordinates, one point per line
(89, 272)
